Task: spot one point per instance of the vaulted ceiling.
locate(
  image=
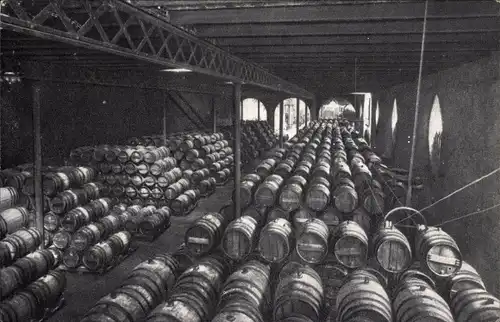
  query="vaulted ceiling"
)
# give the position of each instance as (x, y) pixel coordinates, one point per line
(341, 46)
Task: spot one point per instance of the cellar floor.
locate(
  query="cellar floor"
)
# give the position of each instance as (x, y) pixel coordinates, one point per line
(84, 290)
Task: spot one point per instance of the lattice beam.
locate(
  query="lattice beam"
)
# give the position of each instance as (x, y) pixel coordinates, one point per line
(161, 42)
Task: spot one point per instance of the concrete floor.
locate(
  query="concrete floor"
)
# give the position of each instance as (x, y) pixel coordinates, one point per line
(83, 291)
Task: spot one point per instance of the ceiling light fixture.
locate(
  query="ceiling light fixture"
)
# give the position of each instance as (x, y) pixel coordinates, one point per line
(176, 70)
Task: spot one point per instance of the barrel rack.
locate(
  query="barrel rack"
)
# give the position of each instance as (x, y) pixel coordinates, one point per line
(112, 32)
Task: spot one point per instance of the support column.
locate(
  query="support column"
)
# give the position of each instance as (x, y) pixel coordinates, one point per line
(165, 121)
(281, 124)
(37, 162)
(258, 110)
(214, 116)
(237, 148)
(0, 137)
(298, 115)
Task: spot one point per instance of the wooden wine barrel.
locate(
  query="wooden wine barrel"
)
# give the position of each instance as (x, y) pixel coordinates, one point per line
(124, 155)
(414, 300)
(317, 196)
(137, 155)
(239, 310)
(183, 257)
(240, 237)
(117, 168)
(363, 297)
(332, 276)
(312, 244)
(93, 190)
(175, 311)
(16, 179)
(86, 236)
(290, 198)
(207, 186)
(299, 293)
(260, 214)
(61, 239)
(11, 280)
(8, 198)
(104, 167)
(349, 243)
(144, 192)
(112, 224)
(303, 169)
(248, 284)
(465, 279)
(131, 191)
(363, 218)
(437, 251)
(205, 233)
(159, 219)
(154, 155)
(72, 257)
(13, 219)
(130, 168)
(265, 168)
(78, 176)
(102, 254)
(131, 302)
(373, 198)
(475, 305)
(345, 196)
(182, 204)
(283, 169)
(391, 248)
(300, 218)
(18, 244)
(76, 218)
(277, 212)
(332, 217)
(247, 190)
(53, 183)
(132, 223)
(174, 190)
(200, 285)
(276, 240)
(67, 200)
(267, 192)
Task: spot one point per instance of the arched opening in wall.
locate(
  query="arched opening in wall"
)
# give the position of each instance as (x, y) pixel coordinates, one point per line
(391, 142)
(251, 108)
(435, 135)
(290, 116)
(377, 114)
(337, 108)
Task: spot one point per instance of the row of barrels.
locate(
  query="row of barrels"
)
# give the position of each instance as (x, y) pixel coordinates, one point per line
(27, 269)
(31, 302)
(148, 285)
(134, 219)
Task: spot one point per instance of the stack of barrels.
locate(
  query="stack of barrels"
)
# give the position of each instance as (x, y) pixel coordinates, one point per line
(97, 235)
(42, 295)
(147, 286)
(28, 283)
(177, 174)
(256, 138)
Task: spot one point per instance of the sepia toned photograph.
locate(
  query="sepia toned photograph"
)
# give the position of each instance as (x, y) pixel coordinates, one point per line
(250, 161)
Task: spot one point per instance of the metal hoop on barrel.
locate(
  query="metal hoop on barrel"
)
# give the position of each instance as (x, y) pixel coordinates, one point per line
(415, 212)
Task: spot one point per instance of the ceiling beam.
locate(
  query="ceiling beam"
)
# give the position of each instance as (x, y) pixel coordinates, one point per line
(352, 12)
(360, 28)
(242, 41)
(477, 46)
